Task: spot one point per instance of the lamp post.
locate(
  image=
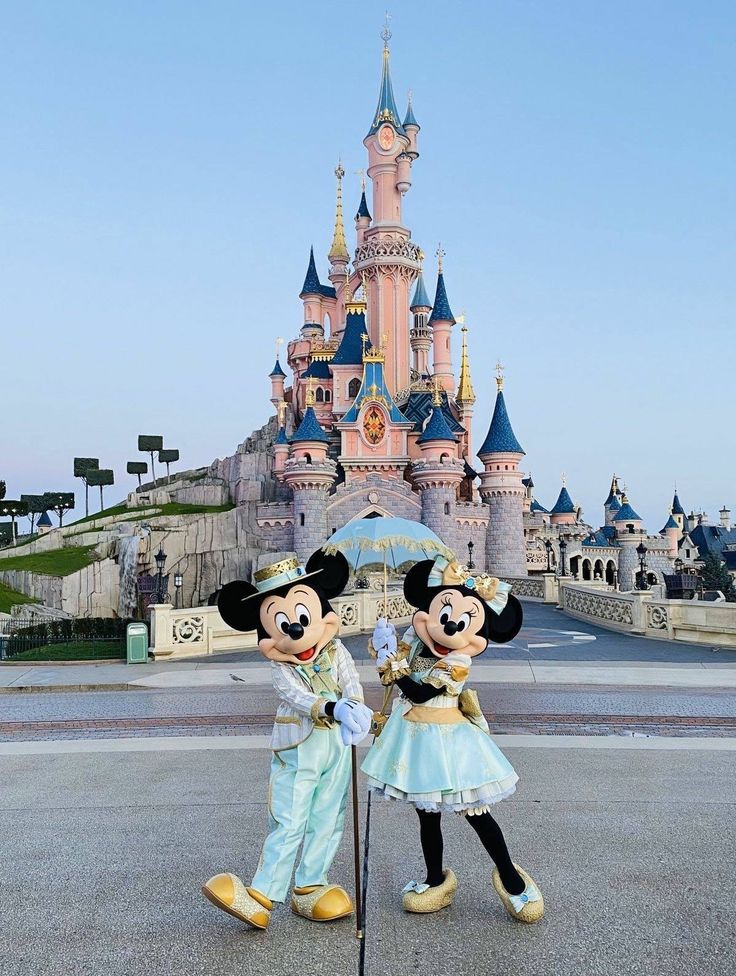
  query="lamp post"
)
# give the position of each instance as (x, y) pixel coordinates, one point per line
(470, 554)
(160, 558)
(548, 547)
(563, 550)
(679, 565)
(641, 551)
(178, 583)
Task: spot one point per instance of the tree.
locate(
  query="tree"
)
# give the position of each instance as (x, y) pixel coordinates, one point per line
(148, 443)
(35, 505)
(167, 457)
(137, 467)
(101, 477)
(58, 502)
(715, 576)
(81, 467)
(13, 508)
(3, 489)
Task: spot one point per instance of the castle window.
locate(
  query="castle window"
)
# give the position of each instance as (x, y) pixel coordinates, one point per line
(301, 518)
(320, 395)
(353, 388)
(447, 508)
(328, 396)
(308, 459)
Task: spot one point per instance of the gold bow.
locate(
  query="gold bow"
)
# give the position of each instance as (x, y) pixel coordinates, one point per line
(456, 574)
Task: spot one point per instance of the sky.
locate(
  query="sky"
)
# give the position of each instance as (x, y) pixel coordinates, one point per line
(165, 167)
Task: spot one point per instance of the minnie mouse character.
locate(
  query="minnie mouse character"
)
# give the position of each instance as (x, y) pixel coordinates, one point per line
(320, 715)
(435, 751)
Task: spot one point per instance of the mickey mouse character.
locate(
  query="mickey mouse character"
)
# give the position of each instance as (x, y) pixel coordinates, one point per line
(435, 751)
(320, 715)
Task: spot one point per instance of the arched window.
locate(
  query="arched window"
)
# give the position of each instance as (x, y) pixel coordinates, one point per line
(308, 459)
(320, 397)
(353, 388)
(328, 396)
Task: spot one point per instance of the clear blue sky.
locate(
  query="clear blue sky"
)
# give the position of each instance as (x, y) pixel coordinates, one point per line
(165, 166)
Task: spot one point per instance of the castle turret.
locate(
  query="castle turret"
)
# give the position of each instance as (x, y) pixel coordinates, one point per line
(277, 377)
(465, 396)
(281, 444)
(442, 320)
(310, 474)
(411, 127)
(363, 215)
(612, 504)
(671, 533)
(725, 518)
(678, 512)
(563, 511)
(311, 295)
(629, 533)
(502, 489)
(421, 334)
(438, 473)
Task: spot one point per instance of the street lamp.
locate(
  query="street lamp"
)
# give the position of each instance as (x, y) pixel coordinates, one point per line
(641, 551)
(470, 554)
(679, 565)
(160, 558)
(563, 550)
(178, 583)
(548, 547)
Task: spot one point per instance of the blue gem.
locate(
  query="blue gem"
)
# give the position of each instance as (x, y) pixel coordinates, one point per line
(316, 668)
(470, 583)
(525, 897)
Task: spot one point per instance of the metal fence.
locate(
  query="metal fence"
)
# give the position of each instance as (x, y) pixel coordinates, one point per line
(83, 638)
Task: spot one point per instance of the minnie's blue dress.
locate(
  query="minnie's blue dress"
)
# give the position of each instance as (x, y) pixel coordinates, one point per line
(432, 755)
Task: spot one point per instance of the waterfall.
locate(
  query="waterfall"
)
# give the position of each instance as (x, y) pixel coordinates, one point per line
(128, 564)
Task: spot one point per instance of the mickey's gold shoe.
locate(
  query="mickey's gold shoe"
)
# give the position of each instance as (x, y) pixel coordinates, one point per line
(321, 903)
(420, 898)
(228, 892)
(528, 906)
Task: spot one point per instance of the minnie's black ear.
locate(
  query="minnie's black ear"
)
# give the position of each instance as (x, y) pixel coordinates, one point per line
(334, 575)
(416, 584)
(504, 626)
(238, 614)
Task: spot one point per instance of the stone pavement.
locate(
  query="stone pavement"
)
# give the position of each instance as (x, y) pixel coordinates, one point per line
(631, 842)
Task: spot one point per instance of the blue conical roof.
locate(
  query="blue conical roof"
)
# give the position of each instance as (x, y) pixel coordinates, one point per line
(437, 428)
(441, 312)
(277, 370)
(311, 284)
(536, 507)
(363, 210)
(318, 369)
(614, 504)
(626, 514)
(350, 350)
(677, 508)
(670, 524)
(386, 110)
(281, 437)
(420, 299)
(44, 520)
(409, 117)
(500, 437)
(310, 429)
(564, 504)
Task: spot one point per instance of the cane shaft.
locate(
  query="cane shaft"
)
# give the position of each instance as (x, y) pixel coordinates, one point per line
(356, 846)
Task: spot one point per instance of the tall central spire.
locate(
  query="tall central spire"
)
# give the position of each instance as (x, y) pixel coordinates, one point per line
(465, 392)
(339, 250)
(386, 110)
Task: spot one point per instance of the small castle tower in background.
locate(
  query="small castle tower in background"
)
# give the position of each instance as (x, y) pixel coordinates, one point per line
(465, 396)
(502, 489)
(442, 321)
(421, 333)
(629, 533)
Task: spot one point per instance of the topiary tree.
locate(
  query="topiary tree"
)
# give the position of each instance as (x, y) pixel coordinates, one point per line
(137, 467)
(81, 467)
(3, 489)
(13, 508)
(167, 457)
(101, 477)
(35, 505)
(58, 502)
(715, 576)
(149, 443)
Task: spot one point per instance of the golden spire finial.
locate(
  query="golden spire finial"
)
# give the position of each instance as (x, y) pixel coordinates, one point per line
(365, 339)
(279, 344)
(564, 480)
(361, 174)
(281, 409)
(436, 392)
(310, 398)
(386, 33)
(465, 392)
(499, 377)
(339, 249)
(440, 254)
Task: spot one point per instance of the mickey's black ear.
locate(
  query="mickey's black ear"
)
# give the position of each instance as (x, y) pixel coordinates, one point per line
(238, 614)
(504, 626)
(416, 583)
(335, 572)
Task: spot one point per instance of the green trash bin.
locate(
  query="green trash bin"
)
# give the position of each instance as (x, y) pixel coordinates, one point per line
(136, 644)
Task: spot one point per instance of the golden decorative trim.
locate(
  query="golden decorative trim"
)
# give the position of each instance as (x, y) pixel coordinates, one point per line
(315, 712)
(287, 720)
(276, 569)
(435, 716)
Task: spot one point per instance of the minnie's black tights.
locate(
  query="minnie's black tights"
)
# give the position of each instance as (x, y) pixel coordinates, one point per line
(491, 836)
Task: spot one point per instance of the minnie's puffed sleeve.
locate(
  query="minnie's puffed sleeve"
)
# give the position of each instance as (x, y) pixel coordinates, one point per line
(450, 674)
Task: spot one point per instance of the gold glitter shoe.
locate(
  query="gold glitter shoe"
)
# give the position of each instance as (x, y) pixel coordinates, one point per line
(526, 907)
(321, 903)
(420, 898)
(227, 891)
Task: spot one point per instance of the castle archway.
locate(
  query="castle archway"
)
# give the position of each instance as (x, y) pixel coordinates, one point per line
(587, 573)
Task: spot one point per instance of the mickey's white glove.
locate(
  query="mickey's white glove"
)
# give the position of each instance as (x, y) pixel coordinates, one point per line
(384, 640)
(355, 720)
